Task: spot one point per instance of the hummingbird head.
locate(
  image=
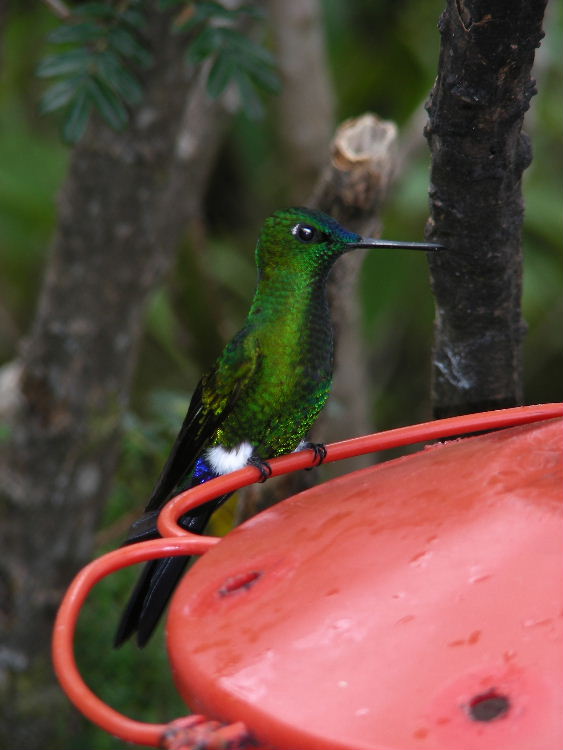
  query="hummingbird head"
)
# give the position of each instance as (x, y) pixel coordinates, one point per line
(303, 238)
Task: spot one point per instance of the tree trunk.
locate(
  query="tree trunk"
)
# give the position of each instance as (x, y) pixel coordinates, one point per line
(121, 212)
(306, 107)
(479, 152)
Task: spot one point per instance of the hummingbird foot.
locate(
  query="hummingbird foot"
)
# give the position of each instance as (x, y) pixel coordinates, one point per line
(263, 467)
(319, 449)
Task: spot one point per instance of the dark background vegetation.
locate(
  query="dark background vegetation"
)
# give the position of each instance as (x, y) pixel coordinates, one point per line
(382, 57)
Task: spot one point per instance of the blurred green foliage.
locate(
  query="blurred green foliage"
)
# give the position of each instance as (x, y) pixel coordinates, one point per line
(96, 52)
(92, 58)
(383, 57)
(234, 56)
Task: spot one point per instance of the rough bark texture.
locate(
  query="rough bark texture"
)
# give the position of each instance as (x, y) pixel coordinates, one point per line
(306, 107)
(352, 188)
(479, 152)
(121, 212)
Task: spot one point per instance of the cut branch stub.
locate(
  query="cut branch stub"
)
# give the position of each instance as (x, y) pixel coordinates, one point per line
(352, 189)
(362, 161)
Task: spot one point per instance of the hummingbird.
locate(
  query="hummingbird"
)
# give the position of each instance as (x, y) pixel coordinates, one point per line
(261, 396)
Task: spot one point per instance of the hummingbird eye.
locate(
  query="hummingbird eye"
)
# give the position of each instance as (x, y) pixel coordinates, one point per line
(305, 233)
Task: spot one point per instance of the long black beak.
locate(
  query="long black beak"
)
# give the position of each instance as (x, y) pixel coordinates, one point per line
(391, 245)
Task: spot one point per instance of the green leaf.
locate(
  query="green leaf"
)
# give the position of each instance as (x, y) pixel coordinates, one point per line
(236, 56)
(96, 68)
(205, 44)
(261, 73)
(96, 10)
(78, 116)
(244, 52)
(71, 61)
(251, 104)
(222, 72)
(124, 42)
(59, 94)
(127, 86)
(167, 4)
(206, 10)
(108, 104)
(115, 75)
(134, 18)
(266, 78)
(220, 75)
(246, 47)
(79, 33)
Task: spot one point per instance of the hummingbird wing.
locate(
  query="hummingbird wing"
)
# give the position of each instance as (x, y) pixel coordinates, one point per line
(213, 400)
(197, 429)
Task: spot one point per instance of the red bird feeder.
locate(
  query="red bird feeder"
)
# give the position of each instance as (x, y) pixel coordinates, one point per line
(414, 604)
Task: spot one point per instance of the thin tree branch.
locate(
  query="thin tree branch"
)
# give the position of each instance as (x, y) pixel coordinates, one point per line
(59, 8)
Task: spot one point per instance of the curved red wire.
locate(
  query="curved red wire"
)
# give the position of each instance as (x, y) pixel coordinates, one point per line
(65, 626)
(440, 428)
(178, 542)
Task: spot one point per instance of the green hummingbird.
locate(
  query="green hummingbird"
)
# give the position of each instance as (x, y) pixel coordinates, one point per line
(263, 393)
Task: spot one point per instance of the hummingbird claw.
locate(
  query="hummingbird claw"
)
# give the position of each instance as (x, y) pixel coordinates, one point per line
(263, 467)
(319, 449)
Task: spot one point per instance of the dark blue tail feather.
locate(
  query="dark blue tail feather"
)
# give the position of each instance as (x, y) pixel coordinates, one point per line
(159, 578)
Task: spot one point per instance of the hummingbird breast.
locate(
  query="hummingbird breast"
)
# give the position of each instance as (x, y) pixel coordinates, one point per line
(292, 383)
